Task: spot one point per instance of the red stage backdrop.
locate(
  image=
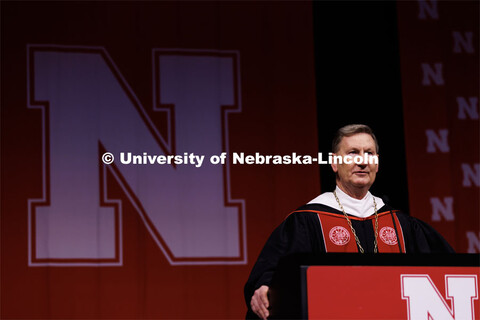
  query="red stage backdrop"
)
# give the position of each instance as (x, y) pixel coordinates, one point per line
(85, 239)
(440, 83)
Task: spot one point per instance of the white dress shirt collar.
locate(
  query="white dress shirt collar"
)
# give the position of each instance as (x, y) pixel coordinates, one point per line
(359, 208)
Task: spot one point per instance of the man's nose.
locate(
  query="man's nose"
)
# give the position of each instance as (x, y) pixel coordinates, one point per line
(364, 156)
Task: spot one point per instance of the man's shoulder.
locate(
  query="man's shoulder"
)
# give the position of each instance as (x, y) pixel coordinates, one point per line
(308, 212)
(387, 208)
(316, 208)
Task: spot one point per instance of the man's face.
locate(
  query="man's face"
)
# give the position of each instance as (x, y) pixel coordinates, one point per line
(356, 176)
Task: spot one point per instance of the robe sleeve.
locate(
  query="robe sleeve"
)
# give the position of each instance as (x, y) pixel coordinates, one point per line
(291, 236)
(423, 238)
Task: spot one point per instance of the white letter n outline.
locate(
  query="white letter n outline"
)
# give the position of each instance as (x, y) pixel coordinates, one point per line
(107, 116)
(424, 301)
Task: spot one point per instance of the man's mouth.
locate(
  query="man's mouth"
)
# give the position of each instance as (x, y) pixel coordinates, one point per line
(361, 172)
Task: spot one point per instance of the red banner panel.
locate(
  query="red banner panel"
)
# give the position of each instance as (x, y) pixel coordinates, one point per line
(119, 119)
(368, 292)
(440, 83)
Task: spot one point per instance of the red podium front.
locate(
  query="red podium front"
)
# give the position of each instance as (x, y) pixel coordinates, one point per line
(373, 292)
(377, 287)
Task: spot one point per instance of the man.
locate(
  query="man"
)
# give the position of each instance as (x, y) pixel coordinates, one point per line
(349, 219)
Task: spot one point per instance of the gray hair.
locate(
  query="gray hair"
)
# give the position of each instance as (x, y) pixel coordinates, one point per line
(350, 130)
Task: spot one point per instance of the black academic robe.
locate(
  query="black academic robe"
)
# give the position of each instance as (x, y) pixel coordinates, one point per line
(316, 229)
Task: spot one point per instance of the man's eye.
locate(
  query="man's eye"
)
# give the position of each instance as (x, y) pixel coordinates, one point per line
(353, 152)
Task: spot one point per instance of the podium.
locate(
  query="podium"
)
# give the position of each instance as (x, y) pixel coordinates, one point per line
(376, 286)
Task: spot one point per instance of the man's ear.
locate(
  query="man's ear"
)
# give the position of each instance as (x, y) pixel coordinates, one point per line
(378, 156)
(334, 165)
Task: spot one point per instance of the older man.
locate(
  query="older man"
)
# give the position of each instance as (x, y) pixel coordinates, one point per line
(349, 219)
